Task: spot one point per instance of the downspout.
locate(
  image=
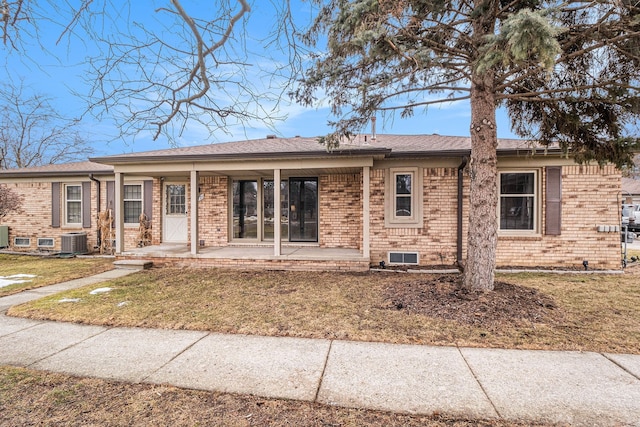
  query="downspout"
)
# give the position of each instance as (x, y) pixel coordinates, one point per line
(98, 232)
(460, 204)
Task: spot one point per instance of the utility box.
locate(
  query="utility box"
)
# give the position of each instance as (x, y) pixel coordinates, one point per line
(4, 236)
(74, 243)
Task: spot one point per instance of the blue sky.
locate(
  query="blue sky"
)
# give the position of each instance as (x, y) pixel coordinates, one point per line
(58, 70)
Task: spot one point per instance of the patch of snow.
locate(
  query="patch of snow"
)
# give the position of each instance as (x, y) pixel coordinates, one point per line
(99, 291)
(69, 300)
(123, 303)
(15, 279)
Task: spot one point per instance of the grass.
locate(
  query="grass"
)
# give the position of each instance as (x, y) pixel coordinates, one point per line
(30, 397)
(599, 312)
(48, 270)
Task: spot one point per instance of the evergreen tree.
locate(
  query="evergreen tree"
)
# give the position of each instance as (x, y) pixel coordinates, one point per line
(567, 73)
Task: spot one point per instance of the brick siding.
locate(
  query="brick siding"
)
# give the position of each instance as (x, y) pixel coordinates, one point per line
(590, 197)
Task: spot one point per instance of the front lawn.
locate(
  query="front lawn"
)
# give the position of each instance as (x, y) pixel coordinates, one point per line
(529, 311)
(47, 270)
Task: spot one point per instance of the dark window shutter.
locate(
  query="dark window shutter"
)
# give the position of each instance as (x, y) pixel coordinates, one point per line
(55, 204)
(553, 210)
(147, 203)
(111, 196)
(86, 205)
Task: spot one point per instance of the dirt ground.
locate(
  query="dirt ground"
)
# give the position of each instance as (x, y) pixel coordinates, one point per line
(443, 297)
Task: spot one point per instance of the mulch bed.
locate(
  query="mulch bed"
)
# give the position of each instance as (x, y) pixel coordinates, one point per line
(443, 297)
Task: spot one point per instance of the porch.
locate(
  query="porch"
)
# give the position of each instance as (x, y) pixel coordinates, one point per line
(292, 257)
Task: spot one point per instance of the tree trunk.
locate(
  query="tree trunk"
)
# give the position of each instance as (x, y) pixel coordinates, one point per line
(479, 269)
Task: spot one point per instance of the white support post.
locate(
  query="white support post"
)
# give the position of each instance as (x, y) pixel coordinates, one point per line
(366, 214)
(195, 238)
(277, 213)
(119, 212)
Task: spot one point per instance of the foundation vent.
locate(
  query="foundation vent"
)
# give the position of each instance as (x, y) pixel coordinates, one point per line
(409, 258)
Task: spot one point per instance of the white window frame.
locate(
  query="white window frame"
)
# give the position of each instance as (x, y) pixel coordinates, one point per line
(141, 200)
(535, 208)
(66, 205)
(22, 245)
(42, 239)
(415, 220)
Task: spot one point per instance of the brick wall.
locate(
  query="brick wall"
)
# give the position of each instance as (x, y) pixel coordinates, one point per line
(35, 219)
(340, 211)
(590, 197)
(213, 211)
(436, 240)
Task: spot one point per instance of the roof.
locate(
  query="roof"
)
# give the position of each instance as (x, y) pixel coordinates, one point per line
(65, 169)
(389, 146)
(299, 147)
(630, 186)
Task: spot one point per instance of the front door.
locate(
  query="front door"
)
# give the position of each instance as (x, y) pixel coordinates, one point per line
(175, 228)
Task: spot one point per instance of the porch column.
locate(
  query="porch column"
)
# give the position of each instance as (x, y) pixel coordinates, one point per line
(194, 185)
(366, 191)
(277, 214)
(119, 212)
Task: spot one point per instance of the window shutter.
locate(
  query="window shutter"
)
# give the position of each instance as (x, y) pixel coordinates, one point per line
(553, 202)
(147, 203)
(86, 205)
(111, 196)
(55, 204)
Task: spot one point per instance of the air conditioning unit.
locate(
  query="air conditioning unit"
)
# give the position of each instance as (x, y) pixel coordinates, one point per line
(74, 243)
(4, 236)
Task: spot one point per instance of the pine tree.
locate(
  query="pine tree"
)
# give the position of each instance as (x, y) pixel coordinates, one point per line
(567, 73)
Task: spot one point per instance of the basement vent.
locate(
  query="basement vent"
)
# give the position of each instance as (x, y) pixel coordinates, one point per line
(23, 242)
(74, 243)
(46, 242)
(403, 258)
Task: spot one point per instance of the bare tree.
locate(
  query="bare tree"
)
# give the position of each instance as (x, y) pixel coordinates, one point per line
(567, 72)
(33, 133)
(159, 69)
(9, 201)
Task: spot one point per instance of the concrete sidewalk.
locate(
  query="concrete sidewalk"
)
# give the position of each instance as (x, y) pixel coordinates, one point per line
(577, 388)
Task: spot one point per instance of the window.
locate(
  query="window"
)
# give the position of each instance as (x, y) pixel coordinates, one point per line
(403, 194)
(403, 198)
(73, 204)
(46, 242)
(176, 199)
(23, 242)
(132, 203)
(518, 204)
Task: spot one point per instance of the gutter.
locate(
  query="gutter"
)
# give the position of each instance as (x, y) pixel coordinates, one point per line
(51, 174)
(98, 232)
(113, 160)
(463, 164)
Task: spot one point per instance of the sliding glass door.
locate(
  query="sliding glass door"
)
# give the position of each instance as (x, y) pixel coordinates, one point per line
(269, 210)
(303, 209)
(254, 210)
(245, 209)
